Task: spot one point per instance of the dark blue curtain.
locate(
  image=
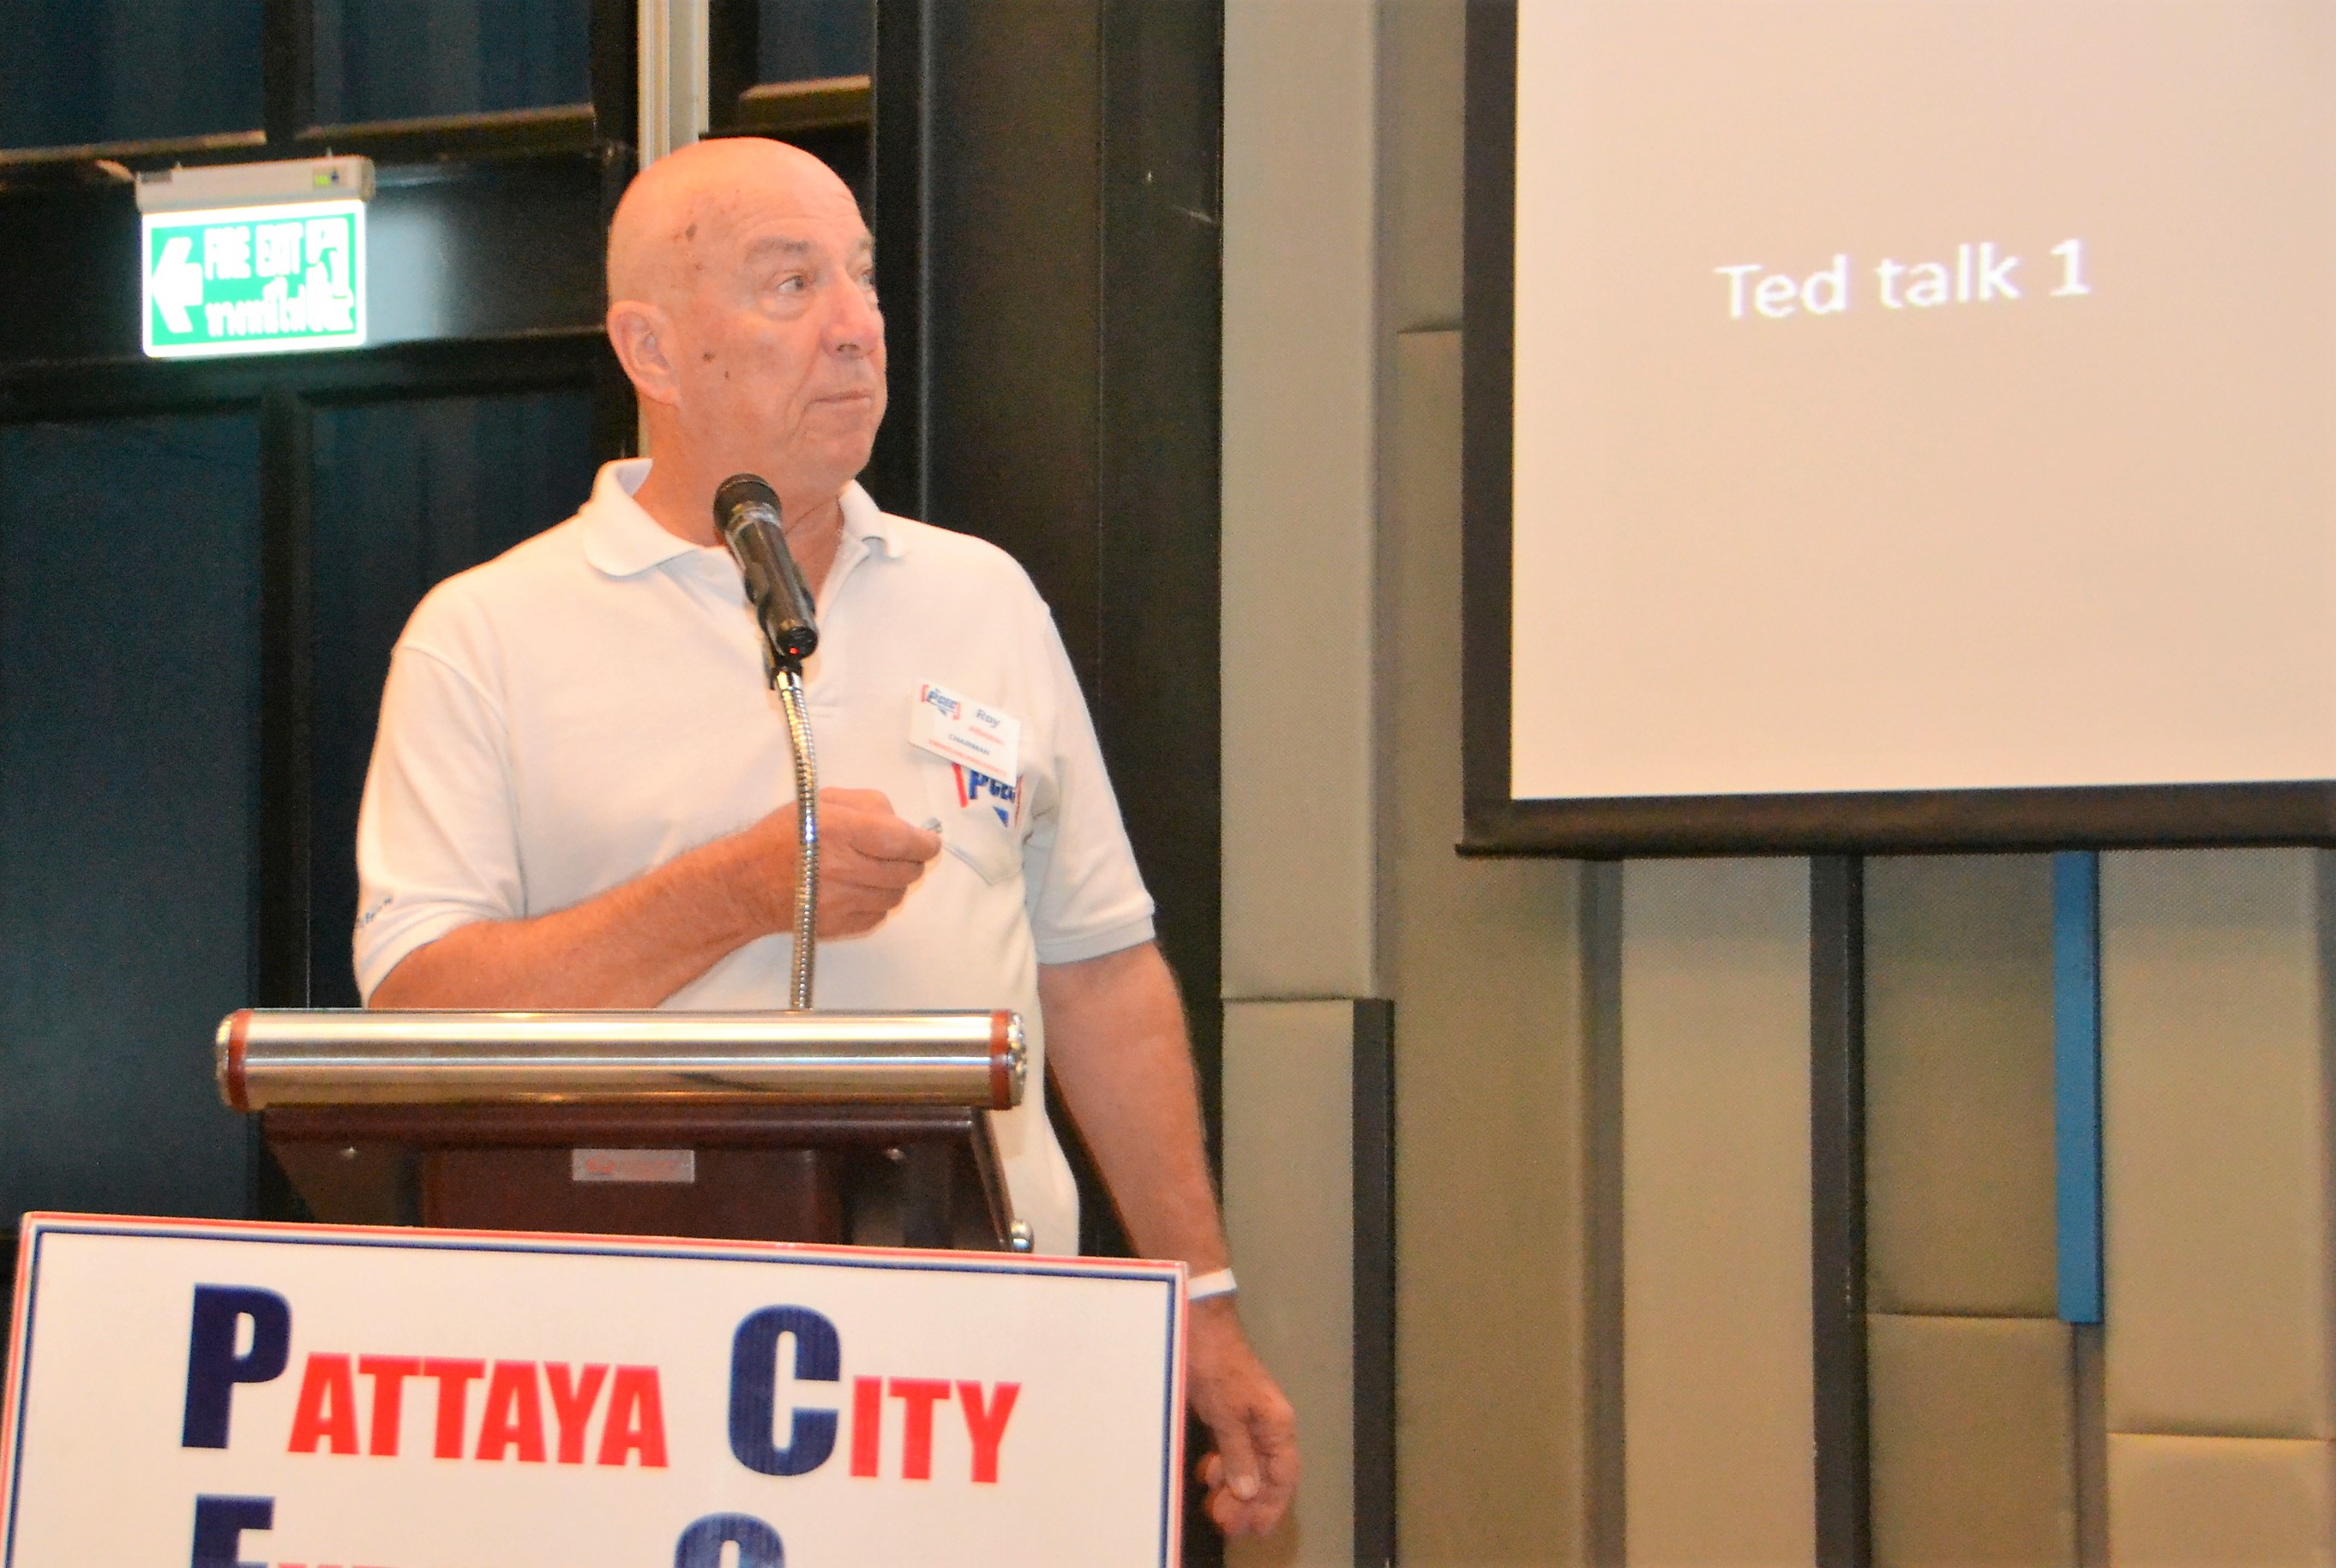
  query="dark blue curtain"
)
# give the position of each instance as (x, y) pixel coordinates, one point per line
(407, 494)
(129, 715)
(805, 40)
(408, 59)
(73, 71)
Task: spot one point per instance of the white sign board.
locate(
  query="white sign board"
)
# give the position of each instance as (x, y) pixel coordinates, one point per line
(305, 1395)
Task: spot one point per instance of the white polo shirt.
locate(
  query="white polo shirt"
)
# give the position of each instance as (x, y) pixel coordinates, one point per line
(592, 704)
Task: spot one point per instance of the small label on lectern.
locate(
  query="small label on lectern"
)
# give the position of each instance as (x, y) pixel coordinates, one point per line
(674, 1166)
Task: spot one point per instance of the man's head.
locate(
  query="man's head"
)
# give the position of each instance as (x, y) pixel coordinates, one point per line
(743, 305)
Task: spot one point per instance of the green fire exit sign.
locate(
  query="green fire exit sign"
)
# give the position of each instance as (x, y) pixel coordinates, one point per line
(255, 279)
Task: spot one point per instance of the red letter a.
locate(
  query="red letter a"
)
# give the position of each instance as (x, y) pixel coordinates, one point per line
(636, 1418)
(514, 1417)
(328, 1411)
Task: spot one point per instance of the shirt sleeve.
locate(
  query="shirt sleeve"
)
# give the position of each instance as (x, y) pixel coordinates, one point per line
(1084, 895)
(437, 846)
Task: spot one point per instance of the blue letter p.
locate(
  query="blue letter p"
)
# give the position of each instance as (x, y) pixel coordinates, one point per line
(213, 1367)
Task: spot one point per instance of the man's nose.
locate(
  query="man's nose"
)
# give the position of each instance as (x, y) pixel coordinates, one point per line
(855, 326)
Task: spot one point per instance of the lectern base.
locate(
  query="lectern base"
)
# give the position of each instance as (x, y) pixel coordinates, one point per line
(731, 1194)
(917, 1175)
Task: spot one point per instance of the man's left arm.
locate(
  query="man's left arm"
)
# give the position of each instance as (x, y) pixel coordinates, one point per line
(1117, 1042)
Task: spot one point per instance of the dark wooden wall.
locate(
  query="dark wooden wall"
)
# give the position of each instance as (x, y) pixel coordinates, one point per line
(1047, 213)
(1046, 208)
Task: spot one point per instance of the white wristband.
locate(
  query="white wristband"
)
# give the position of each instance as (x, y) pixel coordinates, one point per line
(1201, 1287)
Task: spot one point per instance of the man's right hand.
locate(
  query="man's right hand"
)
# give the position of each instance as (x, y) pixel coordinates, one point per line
(868, 859)
(640, 942)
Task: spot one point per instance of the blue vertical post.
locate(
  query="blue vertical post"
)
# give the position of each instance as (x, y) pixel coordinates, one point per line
(2077, 1079)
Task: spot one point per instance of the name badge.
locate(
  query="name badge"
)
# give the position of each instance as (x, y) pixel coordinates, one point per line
(953, 727)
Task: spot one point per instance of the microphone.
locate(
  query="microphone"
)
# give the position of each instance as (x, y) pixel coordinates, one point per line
(746, 511)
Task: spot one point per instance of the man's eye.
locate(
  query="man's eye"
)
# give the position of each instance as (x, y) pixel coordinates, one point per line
(792, 283)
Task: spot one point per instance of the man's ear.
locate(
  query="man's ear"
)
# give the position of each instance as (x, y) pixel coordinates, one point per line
(638, 333)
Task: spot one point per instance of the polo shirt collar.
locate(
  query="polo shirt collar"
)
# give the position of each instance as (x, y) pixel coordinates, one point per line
(868, 529)
(622, 539)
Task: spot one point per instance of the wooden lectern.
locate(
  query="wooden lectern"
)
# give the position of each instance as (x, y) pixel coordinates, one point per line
(793, 1126)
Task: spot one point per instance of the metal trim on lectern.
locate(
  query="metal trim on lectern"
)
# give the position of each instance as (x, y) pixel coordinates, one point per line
(515, 1080)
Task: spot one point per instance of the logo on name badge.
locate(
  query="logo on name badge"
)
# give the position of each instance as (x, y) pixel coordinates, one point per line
(975, 788)
(972, 734)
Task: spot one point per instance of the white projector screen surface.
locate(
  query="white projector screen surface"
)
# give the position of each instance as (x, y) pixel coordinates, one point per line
(1923, 395)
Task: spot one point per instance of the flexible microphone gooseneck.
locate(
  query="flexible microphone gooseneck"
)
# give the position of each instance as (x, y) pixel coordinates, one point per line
(746, 511)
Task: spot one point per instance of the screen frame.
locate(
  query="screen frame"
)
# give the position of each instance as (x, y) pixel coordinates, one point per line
(2286, 812)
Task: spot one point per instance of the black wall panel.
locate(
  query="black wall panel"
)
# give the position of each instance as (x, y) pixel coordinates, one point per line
(1015, 244)
(1047, 232)
(809, 40)
(409, 58)
(407, 494)
(1157, 580)
(129, 717)
(75, 72)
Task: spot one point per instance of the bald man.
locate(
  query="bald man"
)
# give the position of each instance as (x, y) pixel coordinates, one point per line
(571, 802)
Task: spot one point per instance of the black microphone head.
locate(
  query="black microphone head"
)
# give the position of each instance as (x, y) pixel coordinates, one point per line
(739, 490)
(746, 511)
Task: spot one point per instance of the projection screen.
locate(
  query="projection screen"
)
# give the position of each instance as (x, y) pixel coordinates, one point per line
(1898, 423)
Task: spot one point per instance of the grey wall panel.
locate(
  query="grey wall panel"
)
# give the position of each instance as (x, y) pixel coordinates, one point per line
(1485, 972)
(2221, 1503)
(1484, 959)
(1716, 1247)
(1299, 464)
(2215, 1113)
(1974, 1409)
(1975, 1448)
(1289, 1090)
(1958, 1084)
(1422, 49)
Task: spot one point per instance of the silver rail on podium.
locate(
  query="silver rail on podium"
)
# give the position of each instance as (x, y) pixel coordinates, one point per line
(455, 1118)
